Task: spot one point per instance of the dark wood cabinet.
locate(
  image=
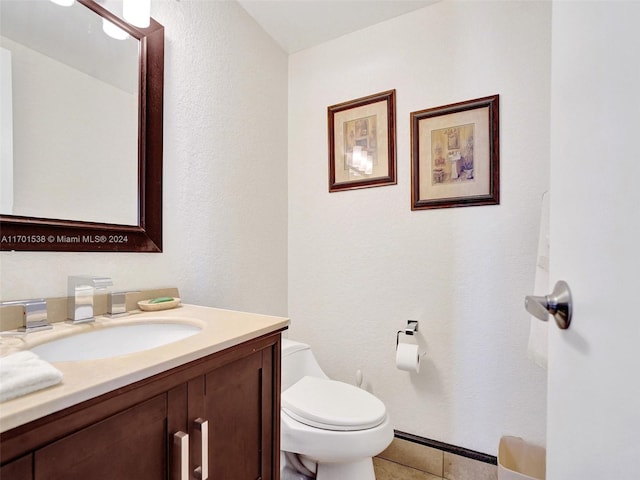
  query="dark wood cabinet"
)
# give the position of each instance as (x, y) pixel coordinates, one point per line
(130, 444)
(232, 400)
(152, 429)
(19, 469)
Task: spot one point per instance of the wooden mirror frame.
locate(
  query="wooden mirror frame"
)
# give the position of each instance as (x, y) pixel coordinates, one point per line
(43, 234)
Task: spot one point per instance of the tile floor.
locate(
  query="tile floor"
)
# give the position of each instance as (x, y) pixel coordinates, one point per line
(388, 470)
(405, 460)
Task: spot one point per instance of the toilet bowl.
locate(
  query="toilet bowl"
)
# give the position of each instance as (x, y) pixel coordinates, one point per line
(330, 430)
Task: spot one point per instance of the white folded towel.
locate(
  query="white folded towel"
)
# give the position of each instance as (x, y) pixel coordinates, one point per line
(23, 372)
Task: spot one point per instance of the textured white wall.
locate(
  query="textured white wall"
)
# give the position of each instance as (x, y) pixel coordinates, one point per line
(225, 174)
(361, 263)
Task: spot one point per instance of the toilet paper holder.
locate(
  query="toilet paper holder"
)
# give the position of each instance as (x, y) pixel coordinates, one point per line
(410, 329)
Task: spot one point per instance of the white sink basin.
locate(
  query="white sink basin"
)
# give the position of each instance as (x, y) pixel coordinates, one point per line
(113, 341)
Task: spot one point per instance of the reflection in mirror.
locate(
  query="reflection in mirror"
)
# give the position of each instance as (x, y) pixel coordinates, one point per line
(72, 89)
(81, 129)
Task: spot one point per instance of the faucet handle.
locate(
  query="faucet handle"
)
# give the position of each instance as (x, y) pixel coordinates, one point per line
(117, 303)
(34, 314)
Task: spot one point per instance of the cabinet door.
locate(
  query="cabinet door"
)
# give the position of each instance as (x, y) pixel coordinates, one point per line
(237, 401)
(20, 469)
(128, 445)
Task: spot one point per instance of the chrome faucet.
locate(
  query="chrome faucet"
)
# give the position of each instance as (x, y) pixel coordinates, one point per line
(34, 314)
(80, 299)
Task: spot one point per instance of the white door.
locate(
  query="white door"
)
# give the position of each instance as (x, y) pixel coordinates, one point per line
(594, 366)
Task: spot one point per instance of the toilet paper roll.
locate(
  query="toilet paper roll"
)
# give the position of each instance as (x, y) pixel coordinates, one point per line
(408, 357)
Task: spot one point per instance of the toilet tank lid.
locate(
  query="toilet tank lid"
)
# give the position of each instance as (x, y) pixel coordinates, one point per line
(291, 346)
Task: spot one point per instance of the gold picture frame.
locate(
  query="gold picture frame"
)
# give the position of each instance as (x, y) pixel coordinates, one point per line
(455, 155)
(362, 144)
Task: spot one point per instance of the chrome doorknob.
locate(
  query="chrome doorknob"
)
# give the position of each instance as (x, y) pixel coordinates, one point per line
(558, 303)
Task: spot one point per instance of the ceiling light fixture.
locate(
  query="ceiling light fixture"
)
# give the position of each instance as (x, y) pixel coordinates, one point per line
(64, 3)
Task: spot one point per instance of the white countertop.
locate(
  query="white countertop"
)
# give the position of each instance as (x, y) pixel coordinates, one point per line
(83, 380)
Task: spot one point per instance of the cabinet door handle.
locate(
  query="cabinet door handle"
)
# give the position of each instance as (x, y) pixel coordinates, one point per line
(181, 455)
(202, 439)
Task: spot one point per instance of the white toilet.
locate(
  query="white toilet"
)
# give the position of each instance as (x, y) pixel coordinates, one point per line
(330, 430)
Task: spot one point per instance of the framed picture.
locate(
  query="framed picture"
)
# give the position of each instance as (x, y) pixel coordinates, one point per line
(362, 146)
(455, 156)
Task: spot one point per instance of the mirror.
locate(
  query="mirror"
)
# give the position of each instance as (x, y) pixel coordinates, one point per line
(86, 170)
(59, 104)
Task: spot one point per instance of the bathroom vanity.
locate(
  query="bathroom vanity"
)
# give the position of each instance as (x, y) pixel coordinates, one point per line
(207, 402)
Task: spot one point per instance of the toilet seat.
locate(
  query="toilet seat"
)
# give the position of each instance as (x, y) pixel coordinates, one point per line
(332, 405)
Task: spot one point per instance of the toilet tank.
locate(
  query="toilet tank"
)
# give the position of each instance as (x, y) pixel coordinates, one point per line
(298, 361)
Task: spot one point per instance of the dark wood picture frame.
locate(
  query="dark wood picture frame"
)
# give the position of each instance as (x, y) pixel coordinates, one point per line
(362, 143)
(22, 233)
(455, 155)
